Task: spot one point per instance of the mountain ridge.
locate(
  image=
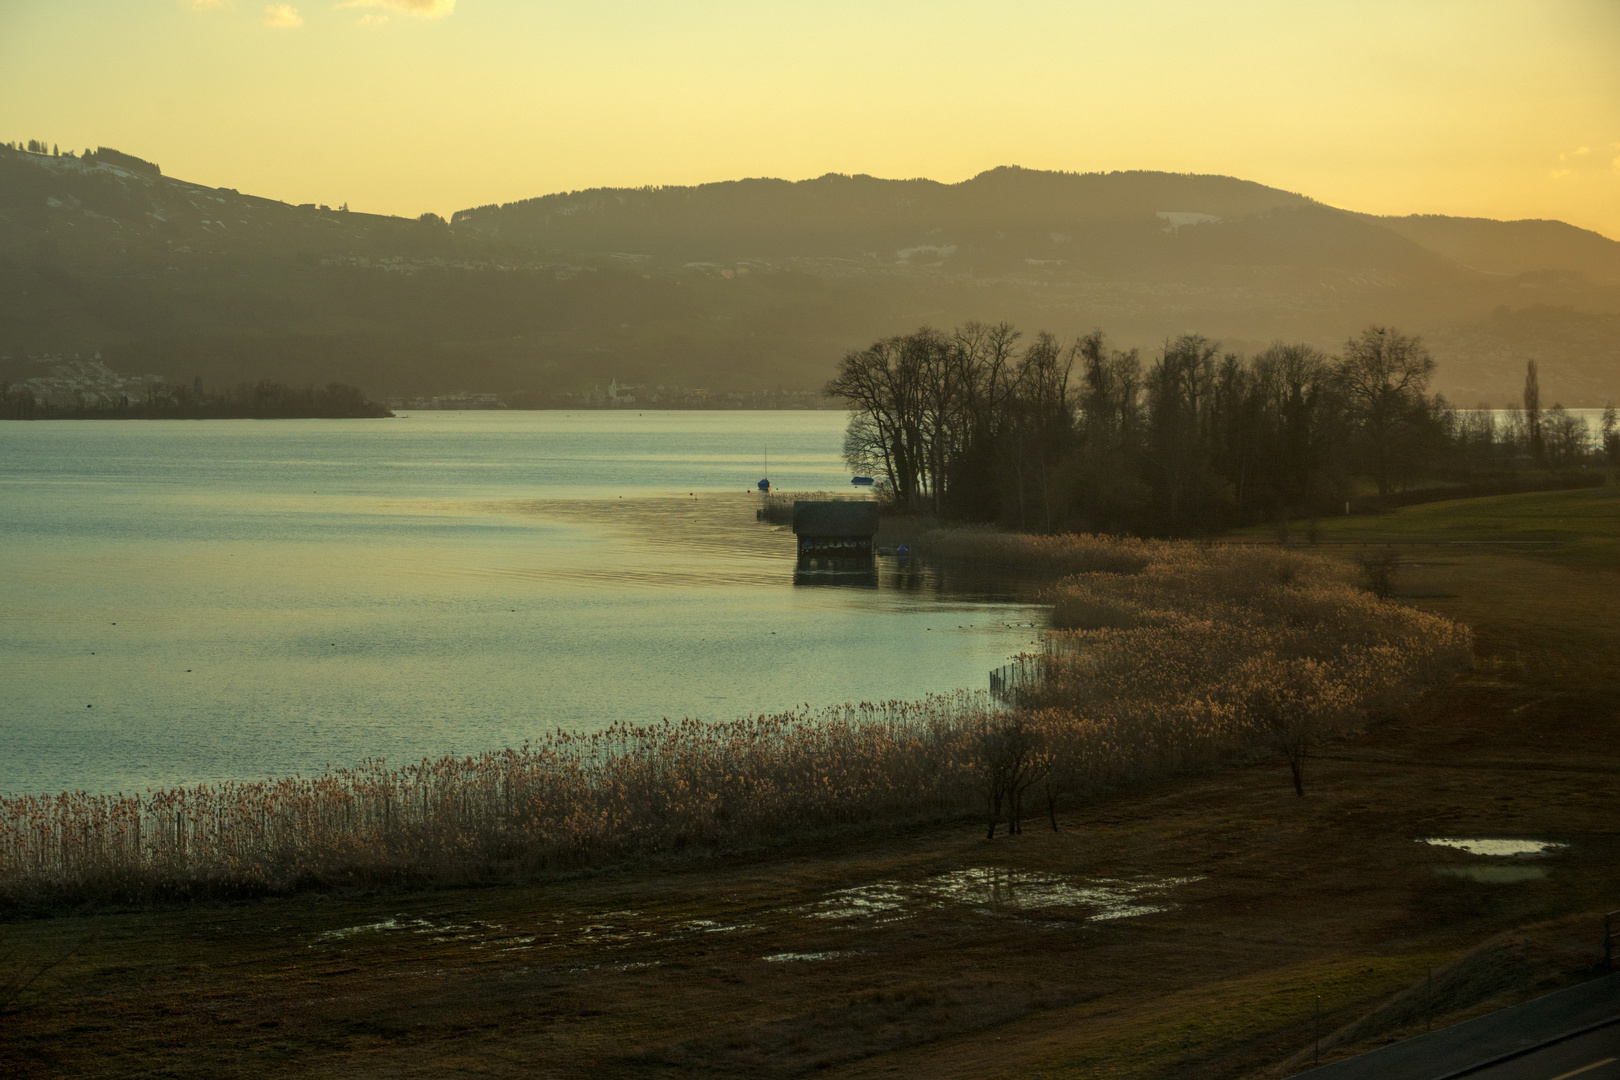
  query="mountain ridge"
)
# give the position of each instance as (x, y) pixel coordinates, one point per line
(759, 282)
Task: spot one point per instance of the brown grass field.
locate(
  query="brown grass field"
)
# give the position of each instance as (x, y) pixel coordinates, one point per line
(931, 951)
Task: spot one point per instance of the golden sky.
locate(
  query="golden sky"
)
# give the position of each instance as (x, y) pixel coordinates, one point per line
(1497, 109)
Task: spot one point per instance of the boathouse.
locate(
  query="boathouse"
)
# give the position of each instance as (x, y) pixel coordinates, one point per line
(835, 528)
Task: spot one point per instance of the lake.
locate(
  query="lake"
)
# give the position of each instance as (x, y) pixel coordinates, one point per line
(185, 601)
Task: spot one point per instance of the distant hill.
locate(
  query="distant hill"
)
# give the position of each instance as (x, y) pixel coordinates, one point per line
(1005, 216)
(1513, 247)
(761, 283)
(1018, 222)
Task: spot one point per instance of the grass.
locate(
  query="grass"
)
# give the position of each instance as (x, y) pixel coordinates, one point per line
(1580, 527)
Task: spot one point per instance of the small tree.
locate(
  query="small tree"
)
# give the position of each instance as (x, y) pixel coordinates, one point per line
(1379, 570)
(1012, 759)
(1297, 705)
(1064, 743)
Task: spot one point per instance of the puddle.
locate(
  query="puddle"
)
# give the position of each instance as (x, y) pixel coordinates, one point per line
(795, 957)
(1494, 875)
(517, 944)
(440, 931)
(990, 887)
(369, 928)
(709, 926)
(1501, 848)
(609, 934)
(601, 933)
(863, 901)
(1022, 889)
(481, 934)
(875, 904)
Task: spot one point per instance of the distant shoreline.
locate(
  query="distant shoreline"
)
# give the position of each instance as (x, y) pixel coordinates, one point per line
(383, 413)
(121, 414)
(264, 400)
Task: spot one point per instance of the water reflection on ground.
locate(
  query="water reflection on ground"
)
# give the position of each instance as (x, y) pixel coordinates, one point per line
(1518, 851)
(1501, 848)
(976, 892)
(999, 889)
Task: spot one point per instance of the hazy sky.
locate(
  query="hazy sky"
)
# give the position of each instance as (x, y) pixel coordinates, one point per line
(1486, 108)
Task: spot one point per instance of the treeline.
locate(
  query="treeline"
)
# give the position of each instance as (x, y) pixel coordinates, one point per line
(259, 401)
(103, 154)
(1050, 436)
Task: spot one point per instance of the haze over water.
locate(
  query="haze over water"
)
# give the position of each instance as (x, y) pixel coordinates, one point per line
(242, 599)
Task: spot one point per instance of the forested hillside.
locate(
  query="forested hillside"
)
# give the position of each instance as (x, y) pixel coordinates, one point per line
(758, 284)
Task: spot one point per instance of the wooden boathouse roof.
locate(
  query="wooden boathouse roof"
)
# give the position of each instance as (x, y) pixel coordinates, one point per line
(843, 518)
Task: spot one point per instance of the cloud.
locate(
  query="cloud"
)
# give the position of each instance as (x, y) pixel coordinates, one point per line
(1582, 159)
(372, 20)
(426, 9)
(282, 16)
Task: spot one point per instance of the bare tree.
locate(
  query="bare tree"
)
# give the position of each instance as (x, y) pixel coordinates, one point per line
(1041, 422)
(1379, 569)
(1012, 760)
(1181, 411)
(1565, 437)
(1297, 706)
(868, 380)
(1384, 376)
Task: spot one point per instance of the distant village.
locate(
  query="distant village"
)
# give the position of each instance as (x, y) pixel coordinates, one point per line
(78, 381)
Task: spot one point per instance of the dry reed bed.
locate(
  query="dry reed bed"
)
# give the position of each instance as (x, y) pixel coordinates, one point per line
(1207, 652)
(1060, 553)
(1168, 656)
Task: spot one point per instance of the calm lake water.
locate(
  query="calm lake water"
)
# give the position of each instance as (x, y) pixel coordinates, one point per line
(206, 600)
